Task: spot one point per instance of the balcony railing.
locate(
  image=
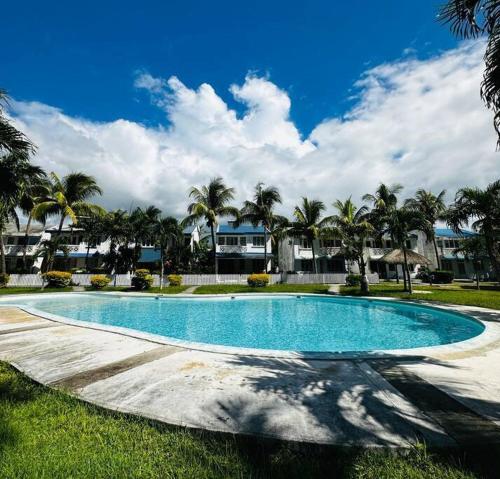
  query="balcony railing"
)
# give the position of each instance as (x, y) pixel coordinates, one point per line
(329, 251)
(378, 251)
(16, 249)
(231, 249)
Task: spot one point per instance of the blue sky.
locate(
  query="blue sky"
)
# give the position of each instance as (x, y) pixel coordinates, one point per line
(82, 57)
(321, 99)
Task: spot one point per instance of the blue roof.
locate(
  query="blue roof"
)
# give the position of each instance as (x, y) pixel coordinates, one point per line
(74, 255)
(449, 233)
(240, 230)
(149, 255)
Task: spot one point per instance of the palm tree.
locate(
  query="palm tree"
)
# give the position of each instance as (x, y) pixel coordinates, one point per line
(93, 229)
(211, 202)
(401, 223)
(142, 222)
(308, 223)
(165, 230)
(12, 141)
(471, 19)
(116, 228)
(433, 208)
(482, 206)
(353, 226)
(48, 251)
(473, 249)
(260, 211)
(16, 176)
(68, 197)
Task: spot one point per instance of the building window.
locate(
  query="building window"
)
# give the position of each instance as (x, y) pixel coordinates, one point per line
(388, 243)
(330, 243)
(446, 265)
(228, 240)
(221, 240)
(11, 240)
(243, 240)
(258, 240)
(461, 267)
(304, 243)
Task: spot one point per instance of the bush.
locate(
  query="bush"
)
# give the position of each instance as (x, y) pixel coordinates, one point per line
(258, 280)
(174, 279)
(442, 277)
(57, 279)
(99, 281)
(353, 280)
(4, 280)
(142, 279)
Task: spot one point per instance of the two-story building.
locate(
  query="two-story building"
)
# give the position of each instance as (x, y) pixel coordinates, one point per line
(240, 249)
(16, 245)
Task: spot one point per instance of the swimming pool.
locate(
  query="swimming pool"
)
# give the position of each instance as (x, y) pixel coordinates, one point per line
(270, 322)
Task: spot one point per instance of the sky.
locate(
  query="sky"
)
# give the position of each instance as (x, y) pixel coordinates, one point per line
(322, 99)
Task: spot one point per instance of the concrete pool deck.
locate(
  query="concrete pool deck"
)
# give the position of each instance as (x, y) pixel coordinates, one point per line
(450, 396)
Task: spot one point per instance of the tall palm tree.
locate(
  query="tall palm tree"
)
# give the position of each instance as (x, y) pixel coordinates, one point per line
(68, 198)
(93, 229)
(165, 231)
(433, 208)
(384, 200)
(48, 251)
(472, 19)
(353, 226)
(209, 203)
(473, 249)
(482, 206)
(260, 211)
(116, 228)
(401, 223)
(142, 223)
(12, 141)
(309, 223)
(16, 176)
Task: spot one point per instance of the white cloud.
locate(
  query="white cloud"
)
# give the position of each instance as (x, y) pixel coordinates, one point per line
(420, 123)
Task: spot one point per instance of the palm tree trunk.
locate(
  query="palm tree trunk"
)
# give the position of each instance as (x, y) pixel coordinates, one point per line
(364, 287)
(214, 249)
(61, 222)
(438, 259)
(404, 276)
(407, 277)
(265, 249)
(2, 254)
(315, 268)
(87, 257)
(476, 271)
(161, 268)
(26, 236)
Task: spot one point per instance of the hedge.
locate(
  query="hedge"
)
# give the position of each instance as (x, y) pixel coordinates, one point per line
(174, 279)
(353, 280)
(99, 281)
(57, 279)
(442, 277)
(258, 280)
(4, 280)
(142, 279)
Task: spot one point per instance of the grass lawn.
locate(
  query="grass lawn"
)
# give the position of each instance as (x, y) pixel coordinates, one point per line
(126, 289)
(273, 288)
(48, 434)
(455, 293)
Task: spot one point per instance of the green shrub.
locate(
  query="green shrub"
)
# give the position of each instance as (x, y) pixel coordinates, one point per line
(258, 280)
(353, 280)
(99, 281)
(4, 280)
(142, 279)
(174, 279)
(442, 277)
(57, 279)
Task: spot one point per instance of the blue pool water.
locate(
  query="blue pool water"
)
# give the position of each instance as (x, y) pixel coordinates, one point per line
(306, 323)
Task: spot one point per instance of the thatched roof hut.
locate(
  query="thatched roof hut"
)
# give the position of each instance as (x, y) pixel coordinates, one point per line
(396, 256)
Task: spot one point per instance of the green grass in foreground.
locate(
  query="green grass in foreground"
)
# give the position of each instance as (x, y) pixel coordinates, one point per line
(454, 294)
(273, 288)
(48, 434)
(126, 289)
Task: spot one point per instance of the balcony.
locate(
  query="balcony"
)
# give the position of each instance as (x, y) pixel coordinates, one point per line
(19, 249)
(329, 251)
(231, 249)
(378, 252)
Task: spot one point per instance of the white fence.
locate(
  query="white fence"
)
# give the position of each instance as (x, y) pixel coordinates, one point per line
(35, 280)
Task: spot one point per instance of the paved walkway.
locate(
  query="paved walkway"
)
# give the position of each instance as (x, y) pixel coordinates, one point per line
(443, 400)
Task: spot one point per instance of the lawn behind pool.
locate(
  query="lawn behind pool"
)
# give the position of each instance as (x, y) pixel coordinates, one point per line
(273, 288)
(26, 290)
(48, 434)
(455, 293)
